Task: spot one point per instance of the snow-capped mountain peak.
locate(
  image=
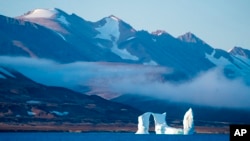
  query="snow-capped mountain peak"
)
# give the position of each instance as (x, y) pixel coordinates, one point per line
(191, 38)
(41, 13)
(52, 18)
(159, 32)
(238, 51)
(112, 39)
(53, 13)
(110, 30)
(114, 18)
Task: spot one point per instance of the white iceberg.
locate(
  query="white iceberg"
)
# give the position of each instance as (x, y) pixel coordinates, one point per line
(161, 126)
(188, 122)
(143, 123)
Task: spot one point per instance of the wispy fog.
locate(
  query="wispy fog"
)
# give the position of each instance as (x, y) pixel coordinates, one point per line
(81, 73)
(209, 88)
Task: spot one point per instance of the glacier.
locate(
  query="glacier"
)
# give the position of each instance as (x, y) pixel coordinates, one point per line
(161, 126)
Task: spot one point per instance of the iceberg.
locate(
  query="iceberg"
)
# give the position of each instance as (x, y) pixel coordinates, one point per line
(188, 122)
(143, 123)
(161, 126)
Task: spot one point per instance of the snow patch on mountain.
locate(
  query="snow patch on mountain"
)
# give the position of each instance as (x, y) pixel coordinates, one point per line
(100, 45)
(33, 102)
(30, 113)
(151, 62)
(2, 70)
(63, 20)
(114, 18)
(61, 36)
(41, 13)
(218, 62)
(229, 50)
(244, 65)
(222, 62)
(110, 31)
(159, 32)
(242, 62)
(239, 51)
(59, 113)
(239, 66)
(243, 58)
(123, 53)
(130, 38)
(190, 38)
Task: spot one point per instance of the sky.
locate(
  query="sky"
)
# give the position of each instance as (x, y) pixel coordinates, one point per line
(222, 24)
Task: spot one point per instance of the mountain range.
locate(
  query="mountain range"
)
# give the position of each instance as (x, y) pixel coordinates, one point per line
(52, 34)
(70, 38)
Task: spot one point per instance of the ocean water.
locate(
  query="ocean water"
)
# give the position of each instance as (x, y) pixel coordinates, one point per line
(109, 137)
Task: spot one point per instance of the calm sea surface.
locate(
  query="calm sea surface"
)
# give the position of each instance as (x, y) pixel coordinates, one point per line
(108, 137)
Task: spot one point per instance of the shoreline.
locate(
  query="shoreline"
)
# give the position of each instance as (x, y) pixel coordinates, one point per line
(90, 128)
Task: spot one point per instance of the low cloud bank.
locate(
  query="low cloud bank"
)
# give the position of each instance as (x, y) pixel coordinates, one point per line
(209, 88)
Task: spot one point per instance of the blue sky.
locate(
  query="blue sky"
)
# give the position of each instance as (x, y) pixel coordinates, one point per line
(221, 23)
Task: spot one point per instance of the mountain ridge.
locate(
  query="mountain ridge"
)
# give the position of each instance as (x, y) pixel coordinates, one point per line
(113, 40)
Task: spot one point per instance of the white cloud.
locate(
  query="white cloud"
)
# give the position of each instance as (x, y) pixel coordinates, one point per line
(209, 88)
(78, 73)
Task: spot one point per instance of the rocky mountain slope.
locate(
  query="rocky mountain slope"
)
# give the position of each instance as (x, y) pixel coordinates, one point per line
(25, 102)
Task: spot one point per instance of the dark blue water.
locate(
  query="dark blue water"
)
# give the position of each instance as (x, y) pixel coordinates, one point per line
(108, 137)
